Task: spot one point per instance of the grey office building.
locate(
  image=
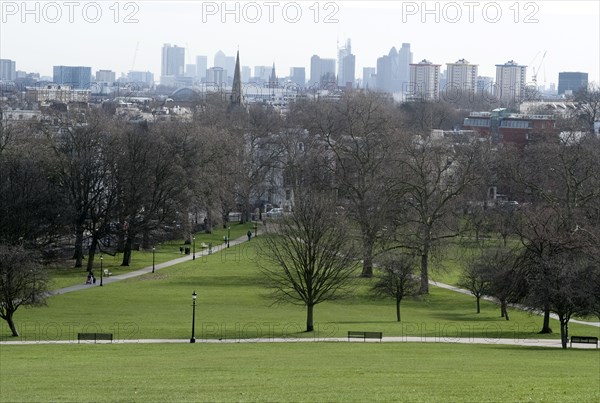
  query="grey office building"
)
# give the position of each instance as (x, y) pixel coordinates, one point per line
(571, 81)
(77, 77)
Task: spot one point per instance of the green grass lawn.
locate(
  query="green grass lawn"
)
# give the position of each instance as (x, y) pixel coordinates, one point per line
(67, 276)
(232, 303)
(357, 372)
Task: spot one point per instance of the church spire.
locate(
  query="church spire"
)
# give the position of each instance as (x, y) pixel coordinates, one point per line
(273, 78)
(236, 89)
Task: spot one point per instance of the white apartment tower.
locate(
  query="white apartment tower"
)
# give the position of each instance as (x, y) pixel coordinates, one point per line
(461, 77)
(510, 82)
(424, 81)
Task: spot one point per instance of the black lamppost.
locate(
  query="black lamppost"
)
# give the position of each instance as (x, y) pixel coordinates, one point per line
(255, 229)
(101, 270)
(228, 235)
(153, 251)
(194, 248)
(193, 339)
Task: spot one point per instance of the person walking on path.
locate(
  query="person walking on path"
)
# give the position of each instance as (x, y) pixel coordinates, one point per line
(249, 235)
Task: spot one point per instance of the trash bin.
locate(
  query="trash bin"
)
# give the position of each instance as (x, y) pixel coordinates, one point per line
(187, 251)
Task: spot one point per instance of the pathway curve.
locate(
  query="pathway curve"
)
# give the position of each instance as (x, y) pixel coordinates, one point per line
(146, 270)
(467, 292)
(459, 340)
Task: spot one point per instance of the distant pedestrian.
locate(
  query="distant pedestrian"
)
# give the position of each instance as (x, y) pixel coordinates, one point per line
(249, 234)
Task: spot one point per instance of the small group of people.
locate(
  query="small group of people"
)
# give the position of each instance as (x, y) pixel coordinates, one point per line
(90, 278)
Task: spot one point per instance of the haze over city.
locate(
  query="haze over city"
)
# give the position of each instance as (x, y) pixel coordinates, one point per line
(124, 36)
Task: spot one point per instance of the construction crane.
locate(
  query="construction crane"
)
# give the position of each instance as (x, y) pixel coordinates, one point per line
(137, 47)
(536, 71)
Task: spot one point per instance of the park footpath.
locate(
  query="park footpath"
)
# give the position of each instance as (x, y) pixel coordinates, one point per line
(140, 272)
(395, 339)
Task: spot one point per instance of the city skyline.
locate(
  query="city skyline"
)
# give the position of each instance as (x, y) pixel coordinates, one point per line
(130, 35)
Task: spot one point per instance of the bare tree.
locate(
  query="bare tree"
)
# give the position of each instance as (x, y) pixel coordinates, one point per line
(81, 170)
(22, 282)
(149, 183)
(32, 208)
(562, 178)
(507, 284)
(566, 285)
(588, 106)
(433, 176)
(476, 278)
(309, 257)
(396, 278)
(361, 133)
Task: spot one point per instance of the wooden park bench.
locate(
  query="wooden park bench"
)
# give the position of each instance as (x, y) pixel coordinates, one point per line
(94, 336)
(352, 334)
(584, 340)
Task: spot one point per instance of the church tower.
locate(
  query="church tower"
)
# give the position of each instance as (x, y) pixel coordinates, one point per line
(235, 99)
(273, 82)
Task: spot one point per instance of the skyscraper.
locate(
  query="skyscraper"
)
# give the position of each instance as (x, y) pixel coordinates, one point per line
(461, 78)
(346, 65)
(322, 72)
(144, 77)
(393, 73)
(298, 75)
(571, 81)
(106, 76)
(8, 70)
(405, 58)
(78, 77)
(369, 80)
(510, 81)
(424, 80)
(220, 60)
(201, 66)
(215, 76)
(246, 73)
(173, 61)
(315, 71)
(190, 70)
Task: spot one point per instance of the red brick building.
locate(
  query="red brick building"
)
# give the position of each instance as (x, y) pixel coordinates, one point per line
(506, 127)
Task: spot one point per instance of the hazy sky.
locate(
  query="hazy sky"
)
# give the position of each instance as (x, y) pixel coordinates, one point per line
(121, 35)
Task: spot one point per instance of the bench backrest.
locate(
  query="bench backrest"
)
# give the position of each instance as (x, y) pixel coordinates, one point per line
(373, 335)
(94, 336)
(584, 339)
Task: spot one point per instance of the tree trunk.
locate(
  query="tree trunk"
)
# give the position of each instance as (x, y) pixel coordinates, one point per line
(424, 270)
(309, 318)
(367, 270)
(11, 324)
(564, 331)
(398, 309)
(92, 253)
(146, 240)
(546, 326)
(78, 254)
(127, 252)
(504, 310)
(504, 239)
(478, 304)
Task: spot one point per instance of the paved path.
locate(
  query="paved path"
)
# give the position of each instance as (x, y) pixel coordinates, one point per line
(459, 340)
(146, 270)
(402, 339)
(467, 292)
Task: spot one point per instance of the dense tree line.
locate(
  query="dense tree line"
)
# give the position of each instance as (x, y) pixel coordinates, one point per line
(84, 181)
